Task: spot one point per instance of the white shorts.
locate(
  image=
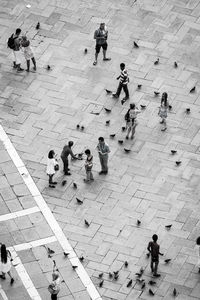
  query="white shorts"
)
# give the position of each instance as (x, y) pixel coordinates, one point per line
(17, 57)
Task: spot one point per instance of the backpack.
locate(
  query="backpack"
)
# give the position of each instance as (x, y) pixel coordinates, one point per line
(11, 42)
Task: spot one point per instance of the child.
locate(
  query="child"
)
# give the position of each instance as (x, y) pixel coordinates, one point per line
(28, 53)
(54, 287)
(51, 169)
(163, 110)
(131, 121)
(5, 263)
(88, 166)
(154, 250)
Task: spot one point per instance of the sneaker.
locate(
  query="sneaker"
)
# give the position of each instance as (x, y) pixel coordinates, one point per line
(68, 174)
(101, 172)
(106, 58)
(54, 182)
(115, 96)
(51, 186)
(27, 70)
(161, 122)
(14, 67)
(123, 101)
(94, 63)
(126, 137)
(156, 275)
(20, 70)
(34, 68)
(12, 280)
(2, 276)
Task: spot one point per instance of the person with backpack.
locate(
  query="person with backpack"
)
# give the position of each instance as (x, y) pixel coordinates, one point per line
(101, 36)
(131, 120)
(14, 43)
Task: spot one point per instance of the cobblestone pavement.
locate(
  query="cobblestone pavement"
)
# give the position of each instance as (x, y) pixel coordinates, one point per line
(39, 111)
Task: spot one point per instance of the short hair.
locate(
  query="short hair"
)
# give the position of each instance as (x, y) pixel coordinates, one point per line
(87, 151)
(164, 98)
(198, 241)
(101, 139)
(70, 143)
(122, 65)
(55, 275)
(155, 237)
(102, 23)
(132, 105)
(18, 31)
(51, 154)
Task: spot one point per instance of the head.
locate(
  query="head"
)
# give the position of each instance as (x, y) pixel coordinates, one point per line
(70, 144)
(55, 275)
(155, 238)
(122, 66)
(198, 241)
(51, 154)
(3, 253)
(132, 105)
(87, 152)
(164, 98)
(101, 140)
(102, 26)
(18, 31)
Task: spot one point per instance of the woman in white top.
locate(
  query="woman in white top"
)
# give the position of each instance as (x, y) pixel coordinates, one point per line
(28, 53)
(54, 287)
(51, 163)
(198, 249)
(5, 263)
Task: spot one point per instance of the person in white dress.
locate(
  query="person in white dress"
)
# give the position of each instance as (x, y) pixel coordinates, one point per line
(54, 287)
(5, 263)
(51, 169)
(28, 53)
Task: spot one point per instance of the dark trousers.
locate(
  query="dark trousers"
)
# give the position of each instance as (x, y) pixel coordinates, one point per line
(54, 296)
(154, 265)
(124, 87)
(51, 178)
(65, 164)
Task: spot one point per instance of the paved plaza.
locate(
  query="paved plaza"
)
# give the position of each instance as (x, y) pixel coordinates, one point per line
(39, 111)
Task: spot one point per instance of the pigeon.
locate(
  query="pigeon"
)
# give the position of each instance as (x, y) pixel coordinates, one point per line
(142, 106)
(82, 127)
(175, 65)
(143, 286)
(156, 93)
(116, 273)
(187, 110)
(193, 90)
(107, 122)
(112, 135)
(167, 260)
(85, 51)
(123, 128)
(64, 182)
(135, 45)
(138, 274)
(50, 252)
(65, 254)
(108, 91)
(110, 275)
(139, 280)
(37, 26)
(126, 264)
(127, 150)
(77, 126)
(100, 275)
(74, 185)
(138, 222)
(148, 254)
(101, 283)
(120, 141)
(151, 282)
(81, 258)
(168, 226)
(129, 283)
(116, 276)
(48, 67)
(141, 270)
(164, 129)
(139, 86)
(151, 292)
(173, 151)
(95, 113)
(178, 162)
(107, 110)
(174, 292)
(123, 101)
(74, 267)
(156, 62)
(87, 223)
(170, 107)
(79, 201)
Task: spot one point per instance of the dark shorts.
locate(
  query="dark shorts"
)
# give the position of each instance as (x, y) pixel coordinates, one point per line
(98, 47)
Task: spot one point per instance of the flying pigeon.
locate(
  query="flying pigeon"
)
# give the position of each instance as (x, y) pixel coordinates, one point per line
(48, 67)
(107, 122)
(178, 162)
(123, 128)
(170, 107)
(77, 126)
(139, 86)
(138, 222)
(127, 150)
(82, 127)
(174, 292)
(143, 286)
(151, 282)
(151, 292)
(110, 275)
(64, 182)
(65, 254)
(187, 110)
(85, 51)
(101, 283)
(142, 106)
(50, 251)
(167, 260)
(120, 141)
(126, 264)
(74, 267)
(100, 275)
(81, 258)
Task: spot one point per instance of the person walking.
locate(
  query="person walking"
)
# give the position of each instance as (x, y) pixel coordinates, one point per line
(131, 120)
(198, 252)
(163, 110)
(14, 43)
(28, 53)
(154, 250)
(88, 166)
(101, 36)
(64, 156)
(123, 84)
(54, 287)
(5, 263)
(103, 150)
(51, 168)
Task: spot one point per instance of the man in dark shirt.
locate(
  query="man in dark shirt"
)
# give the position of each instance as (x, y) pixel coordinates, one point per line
(154, 250)
(64, 156)
(101, 36)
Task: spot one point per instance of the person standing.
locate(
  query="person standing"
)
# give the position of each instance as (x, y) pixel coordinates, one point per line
(64, 156)
(54, 287)
(154, 250)
(14, 44)
(51, 168)
(123, 84)
(101, 36)
(28, 53)
(5, 263)
(103, 150)
(198, 252)
(88, 166)
(163, 110)
(131, 120)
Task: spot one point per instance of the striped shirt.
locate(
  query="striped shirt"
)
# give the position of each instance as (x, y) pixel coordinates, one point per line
(124, 77)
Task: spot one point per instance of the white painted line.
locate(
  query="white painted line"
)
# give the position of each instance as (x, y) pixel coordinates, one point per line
(26, 280)
(33, 244)
(92, 291)
(2, 293)
(20, 213)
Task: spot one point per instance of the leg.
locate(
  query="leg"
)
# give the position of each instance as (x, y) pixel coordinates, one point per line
(34, 63)
(91, 175)
(28, 65)
(152, 269)
(50, 178)
(125, 88)
(105, 46)
(119, 89)
(14, 60)
(128, 132)
(54, 297)
(98, 47)
(11, 278)
(156, 268)
(3, 275)
(105, 164)
(101, 162)
(133, 131)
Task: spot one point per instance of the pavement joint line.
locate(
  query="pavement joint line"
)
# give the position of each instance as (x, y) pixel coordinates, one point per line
(3, 294)
(33, 244)
(84, 277)
(26, 280)
(19, 214)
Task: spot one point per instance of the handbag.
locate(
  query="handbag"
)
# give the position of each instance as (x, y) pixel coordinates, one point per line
(56, 167)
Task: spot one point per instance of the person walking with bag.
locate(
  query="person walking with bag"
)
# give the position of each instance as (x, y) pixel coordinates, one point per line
(88, 166)
(5, 263)
(103, 150)
(54, 287)
(52, 167)
(14, 43)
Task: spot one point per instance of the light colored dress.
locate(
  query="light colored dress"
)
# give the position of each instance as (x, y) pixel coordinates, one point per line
(28, 52)
(5, 267)
(51, 162)
(163, 111)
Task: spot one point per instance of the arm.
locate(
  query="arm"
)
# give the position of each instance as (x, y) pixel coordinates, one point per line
(72, 154)
(149, 247)
(160, 252)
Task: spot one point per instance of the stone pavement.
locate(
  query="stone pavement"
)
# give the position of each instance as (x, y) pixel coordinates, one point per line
(39, 111)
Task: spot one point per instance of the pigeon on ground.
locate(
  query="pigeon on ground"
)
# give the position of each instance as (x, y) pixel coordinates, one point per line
(37, 26)
(107, 110)
(142, 106)
(170, 107)
(148, 254)
(85, 51)
(101, 283)
(110, 275)
(178, 162)
(79, 201)
(129, 283)
(50, 251)
(138, 274)
(175, 65)
(82, 127)
(135, 45)
(65, 254)
(156, 62)
(168, 226)
(74, 267)
(48, 67)
(151, 292)
(64, 182)
(138, 222)
(81, 258)
(108, 91)
(141, 270)
(120, 141)
(123, 101)
(107, 122)
(139, 280)
(143, 286)
(87, 223)
(193, 90)
(174, 292)
(77, 126)
(95, 113)
(116, 273)
(139, 86)
(123, 128)
(156, 93)
(100, 275)
(126, 264)
(74, 185)
(116, 276)
(112, 135)
(151, 282)
(173, 151)
(187, 110)
(167, 260)
(127, 150)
